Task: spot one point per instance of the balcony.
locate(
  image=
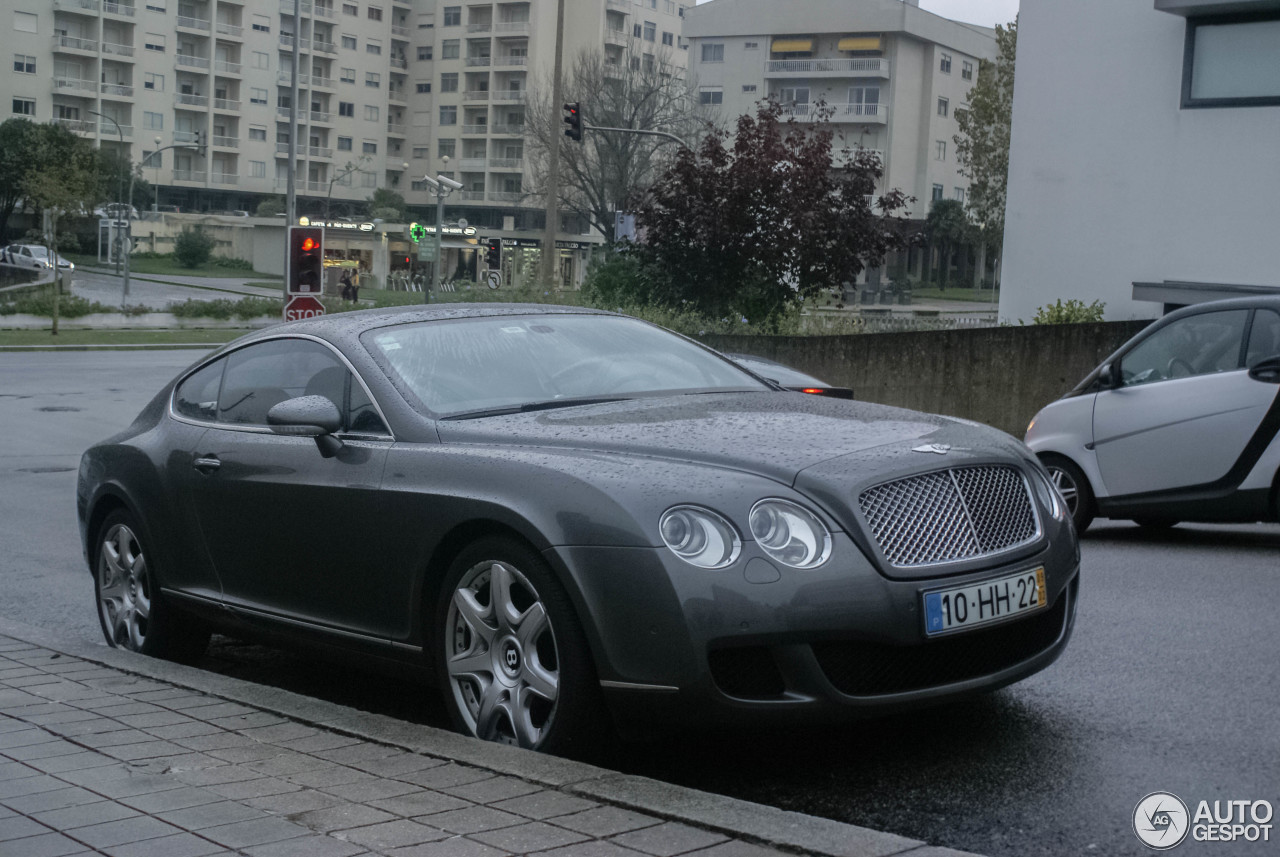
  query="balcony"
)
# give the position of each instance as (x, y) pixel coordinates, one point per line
(70, 44)
(288, 40)
(509, 27)
(224, 67)
(326, 82)
(76, 6)
(398, 62)
(476, 95)
(399, 32)
(512, 61)
(616, 37)
(870, 113)
(72, 85)
(286, 78)
(224, 178)
(471, 164)
(117, 50)
(109, 130)
(124, 9)
(517, 95)
(834, 67)
(397, 96)
(516, 164)
(471, 196)
(318, 152)
(192, 61)
(187, 100)
(79, 126)
(321, 116)
(475, 129)
(232, 30)
(228, 105)
(117, 90)
(509, 130)
(198, 24)
(618, 5)
(479, 62)
(184, 136)
(226, 142)
(286, 7)
(323, 11)
(504, 196)
(189, 176)
(396, 129)
(324, 47)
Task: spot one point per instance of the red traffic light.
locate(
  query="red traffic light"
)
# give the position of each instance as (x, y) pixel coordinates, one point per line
(309, 244)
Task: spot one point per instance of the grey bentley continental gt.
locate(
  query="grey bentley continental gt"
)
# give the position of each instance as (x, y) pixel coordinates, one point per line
(574, 521)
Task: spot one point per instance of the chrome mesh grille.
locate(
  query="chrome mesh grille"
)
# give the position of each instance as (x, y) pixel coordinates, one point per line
(949, 515)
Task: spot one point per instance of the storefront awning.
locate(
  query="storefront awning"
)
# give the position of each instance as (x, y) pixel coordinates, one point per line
(792, 46)
(858, 43)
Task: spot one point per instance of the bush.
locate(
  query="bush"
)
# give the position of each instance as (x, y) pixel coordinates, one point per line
(270, 207)
(1072, 312)
(69, 306)
(225, 309)
(231, 264)
(192, 248)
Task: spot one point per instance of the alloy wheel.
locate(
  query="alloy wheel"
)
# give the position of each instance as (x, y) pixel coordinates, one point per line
(124, 588)
(1066, 486)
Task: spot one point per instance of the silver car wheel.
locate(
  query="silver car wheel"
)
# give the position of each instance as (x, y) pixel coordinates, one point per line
(124, 589)
(1066, 487)
(501, 656)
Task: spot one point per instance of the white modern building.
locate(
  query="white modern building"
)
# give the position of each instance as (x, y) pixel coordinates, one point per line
(390, 91)
(893, 74)
(1144, 168)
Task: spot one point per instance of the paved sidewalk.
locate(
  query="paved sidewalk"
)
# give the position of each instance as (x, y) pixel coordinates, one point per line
(105, 752)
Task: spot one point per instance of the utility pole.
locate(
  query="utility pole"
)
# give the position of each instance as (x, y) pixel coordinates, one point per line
(553, 160)
(291, 207)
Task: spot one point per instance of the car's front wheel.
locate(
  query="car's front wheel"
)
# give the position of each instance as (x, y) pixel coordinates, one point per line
(514, 661)
(1074, 488)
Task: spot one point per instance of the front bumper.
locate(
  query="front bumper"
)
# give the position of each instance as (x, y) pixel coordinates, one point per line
(759, 643)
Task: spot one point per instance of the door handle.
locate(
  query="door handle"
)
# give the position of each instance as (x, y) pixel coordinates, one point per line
(207, 465)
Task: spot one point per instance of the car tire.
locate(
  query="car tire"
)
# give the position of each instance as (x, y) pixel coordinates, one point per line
(1074, 487)
(521, 673)
(133, 613)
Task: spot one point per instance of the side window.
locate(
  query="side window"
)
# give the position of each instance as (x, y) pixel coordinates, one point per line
(1199, 345)
(197, 397)
(261, 376)
(1264, 338)
(363, 417)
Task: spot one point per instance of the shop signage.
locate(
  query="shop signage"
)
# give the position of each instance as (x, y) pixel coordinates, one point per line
(336, 224)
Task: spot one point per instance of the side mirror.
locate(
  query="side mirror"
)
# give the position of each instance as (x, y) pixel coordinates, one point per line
(1267, 371)
(308, 416)
(1108, 376)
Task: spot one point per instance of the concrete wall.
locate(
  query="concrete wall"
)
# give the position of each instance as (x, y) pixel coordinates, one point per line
(1111, 182)
(1000, 375)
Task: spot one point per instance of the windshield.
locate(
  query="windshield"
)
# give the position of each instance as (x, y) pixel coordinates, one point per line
(477, 365)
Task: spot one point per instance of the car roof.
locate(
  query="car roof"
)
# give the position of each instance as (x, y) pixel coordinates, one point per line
(365, 319)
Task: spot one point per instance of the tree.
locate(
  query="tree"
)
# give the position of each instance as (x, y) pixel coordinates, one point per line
(599, 174)
(754, 223)
(114, 173)
(63, 176)
(946, 226)
(17, 137)
(192, 248)
(982, 146)
(386, 204)
(270, 207)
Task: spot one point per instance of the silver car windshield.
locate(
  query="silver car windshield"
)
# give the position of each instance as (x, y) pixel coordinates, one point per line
(474, 366)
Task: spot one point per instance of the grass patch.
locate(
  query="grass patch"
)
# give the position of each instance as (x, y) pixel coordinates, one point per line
(91, 338)
(983, 296)
(146, 263)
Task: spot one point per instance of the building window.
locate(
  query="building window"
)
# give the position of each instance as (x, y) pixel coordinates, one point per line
(152, 121)
(261, 60)
(350, 9)
(668, 38)
(710, 95)
(452, 16)
(650, 31)
(940, 150)
(349, 43)
(420, 152)
(375, 13)
(24, 106)
(446, 148)
(153, 42)
(449, 115)
(257, 96)
(262, 23)
(369, 147)
(418, 184)
(966, 70)
(151, 80)
(449, 49)
(372, 47)
(24, 64)
(669, 6)
(750, 46)
(347, 75)
(424, 52)
(1230, 61)
(449, 82)
(257, 169)
(937, 192)
(156, 7)
(959, 192)
(257, 133)
(944, 64)
(944, 106)
(748, 87)
(372, 79)
(346, 108)
(344, 144)
(636, 29)
(713, 52)
(371, 113)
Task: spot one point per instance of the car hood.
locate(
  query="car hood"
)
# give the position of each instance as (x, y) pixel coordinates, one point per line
(774, 434)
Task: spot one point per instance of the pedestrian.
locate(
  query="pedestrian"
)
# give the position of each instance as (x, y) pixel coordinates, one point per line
(347, 291)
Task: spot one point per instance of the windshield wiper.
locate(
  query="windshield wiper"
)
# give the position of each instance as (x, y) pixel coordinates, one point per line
(548, 405)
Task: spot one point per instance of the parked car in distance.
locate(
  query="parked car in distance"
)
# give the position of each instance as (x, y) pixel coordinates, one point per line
(1179, 424)
(168, 209)
(32, 256)
(792, 379)
(572, 520)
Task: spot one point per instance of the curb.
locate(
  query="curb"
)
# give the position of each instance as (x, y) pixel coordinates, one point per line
(765, 825)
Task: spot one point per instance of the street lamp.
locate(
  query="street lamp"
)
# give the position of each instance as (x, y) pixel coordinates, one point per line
(122, 249)
(155, 191)
(442, 186)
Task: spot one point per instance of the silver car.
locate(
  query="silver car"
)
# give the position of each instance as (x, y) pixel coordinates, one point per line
(1179, 424)
(32, 256)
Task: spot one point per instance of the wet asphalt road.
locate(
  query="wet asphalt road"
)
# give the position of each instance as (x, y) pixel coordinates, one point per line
(1171, 681)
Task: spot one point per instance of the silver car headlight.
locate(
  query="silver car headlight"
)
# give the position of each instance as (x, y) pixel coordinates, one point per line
(699, 536)
(1050, 497)
(790, 533)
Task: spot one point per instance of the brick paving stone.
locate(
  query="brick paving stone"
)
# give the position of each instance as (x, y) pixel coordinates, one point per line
(249, 752)
(114, 737)
(189, 701)
(190, 729)
(49, 801)
(166, 801)
(125, 707)
(547, 803)
(155, 719)
(528, 837)
(220, 740)
(49, 845)
(446, 776)
(668, 839)
(211, 708)
(606, 821)
(287, 731)
(74, 762)
(392, 834)
(84, 815)
(419, 803)
(455, 847)
(127, 684)
(319, 742)
(181, 762)
(22, 738)
(29, 713)
(361, 752)
(123, 831)
(341, 817)
(61, 715)
(29, 786)
(294, 803)
(394, 766)
(142, 750)
(47, 750)
(365, 791)
(286, 762)
(335, 775)
(737, 848)
(205, 815)
(97, 726)
(308, 846)
(246, 721)
(473, 819)
(217, 776)
(37, 677)
(12, 697)
(591, 848)
(254, 788)
(492, 790)
(15, 770)
(164, 693)
(19, 827)
(260, 831)
(176, 845)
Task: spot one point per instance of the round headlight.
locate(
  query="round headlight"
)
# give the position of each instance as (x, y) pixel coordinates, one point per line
(699, 536)
(790, 533)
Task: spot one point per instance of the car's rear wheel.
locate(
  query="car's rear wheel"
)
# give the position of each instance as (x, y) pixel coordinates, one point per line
(514, 661)
(1074, 488)
(133, 612)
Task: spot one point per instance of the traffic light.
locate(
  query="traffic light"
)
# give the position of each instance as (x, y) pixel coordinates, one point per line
(306, 260)
(573, 118)
(201, 144)
(493, 254)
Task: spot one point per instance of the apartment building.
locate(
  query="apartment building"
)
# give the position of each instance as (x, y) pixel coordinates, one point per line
(389, 91)
(892, 74)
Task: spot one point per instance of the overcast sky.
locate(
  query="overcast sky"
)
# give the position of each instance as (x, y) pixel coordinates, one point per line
(988, 13)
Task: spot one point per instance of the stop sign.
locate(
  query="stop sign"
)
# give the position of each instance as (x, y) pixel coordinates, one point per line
(302, 306)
